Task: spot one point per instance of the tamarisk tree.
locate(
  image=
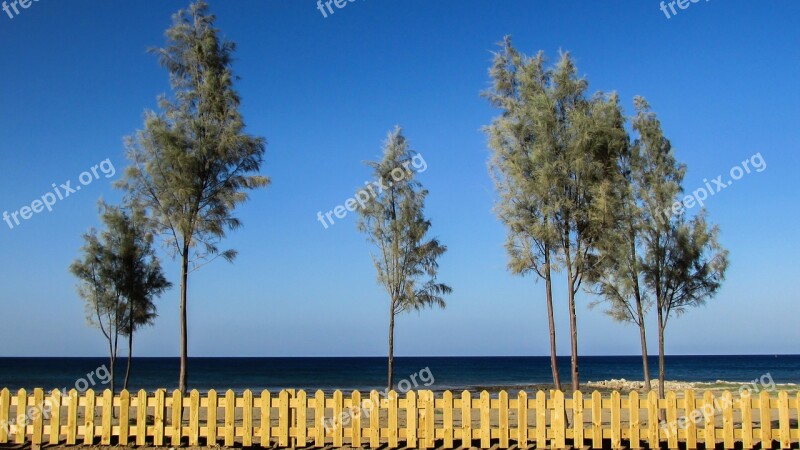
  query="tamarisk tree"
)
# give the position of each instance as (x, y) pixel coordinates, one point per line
(193, 163)
(393, 220)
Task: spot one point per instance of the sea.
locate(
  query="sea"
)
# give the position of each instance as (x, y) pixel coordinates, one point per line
(367, 373)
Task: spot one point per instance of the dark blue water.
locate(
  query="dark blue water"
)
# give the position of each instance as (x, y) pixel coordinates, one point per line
(370, 373)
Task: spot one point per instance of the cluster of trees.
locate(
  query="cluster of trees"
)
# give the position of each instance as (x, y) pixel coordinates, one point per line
(584, 192)
(580, 191)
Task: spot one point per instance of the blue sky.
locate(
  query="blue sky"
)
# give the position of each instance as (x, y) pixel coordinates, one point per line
(75, 79)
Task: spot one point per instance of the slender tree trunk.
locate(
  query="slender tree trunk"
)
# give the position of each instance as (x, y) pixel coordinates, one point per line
(573, 328)
(183, 382)
(551, 323)
(643, 338)
(130, 359)
(111, 360)
(391, 349)
(573, 321)
(660, 354)
(639, 305)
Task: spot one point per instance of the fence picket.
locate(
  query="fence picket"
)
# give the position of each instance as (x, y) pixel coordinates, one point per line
(108, 408)
(727, 419)
(690, 418)
(211, 418)
(766, 420)
(141, 417)
(541, 420)
(485, 415)
(374, 419)
(194, 418)
(5, 412)
(355, 421)
(159, 415)
(319, 419)
(21, 412)
(672, 419)
(710, 420)
(55, 417)
(448, 433)
(266, 417)
(522, 419)
(597, 420)
(746, 403)
(393, 406)
(785, 434)
(466, 419)
(88, 413)
(338, 425)
(634, 419)
(38, 419)
(247, 418)
(411, 419)
(72, 418)
(177, 417)
(652, 420)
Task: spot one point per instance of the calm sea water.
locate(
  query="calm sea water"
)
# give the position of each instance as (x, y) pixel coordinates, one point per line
(370, 373)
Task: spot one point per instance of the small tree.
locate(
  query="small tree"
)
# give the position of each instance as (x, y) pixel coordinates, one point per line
(104, 307)
(142, 279)
(394, 221)
(682, 262)
(194, 163)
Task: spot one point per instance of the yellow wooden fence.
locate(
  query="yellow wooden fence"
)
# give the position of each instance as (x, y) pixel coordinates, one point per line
(415, 419)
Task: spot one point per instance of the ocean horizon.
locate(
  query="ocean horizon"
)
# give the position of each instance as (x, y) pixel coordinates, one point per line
(366, 373)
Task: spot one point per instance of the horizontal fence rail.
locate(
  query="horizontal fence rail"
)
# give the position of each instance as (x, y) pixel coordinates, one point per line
(416, 419)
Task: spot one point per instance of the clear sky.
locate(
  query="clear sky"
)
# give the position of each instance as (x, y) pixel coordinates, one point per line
(75, 79)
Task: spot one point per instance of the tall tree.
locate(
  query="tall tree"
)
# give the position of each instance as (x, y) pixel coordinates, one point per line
(521, 165)
(141, 280)
(580, 138)
(393, 220)
(682, 262)
(193, 163)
